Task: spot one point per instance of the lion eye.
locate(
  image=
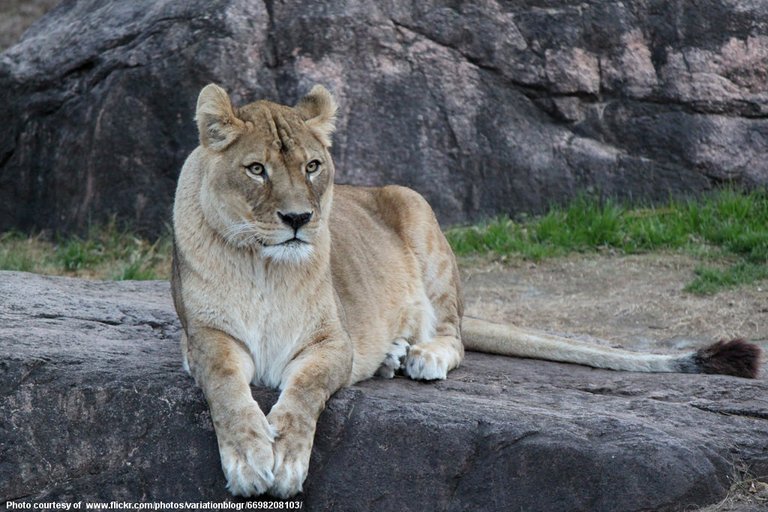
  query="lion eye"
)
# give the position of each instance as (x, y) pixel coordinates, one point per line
(255, 169)
(313, 166)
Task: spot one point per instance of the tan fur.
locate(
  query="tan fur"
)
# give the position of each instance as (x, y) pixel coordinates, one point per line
(313, 306)
(308, 319)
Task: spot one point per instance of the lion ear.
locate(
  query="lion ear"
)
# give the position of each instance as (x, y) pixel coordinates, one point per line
(216, 120)
(318, 109)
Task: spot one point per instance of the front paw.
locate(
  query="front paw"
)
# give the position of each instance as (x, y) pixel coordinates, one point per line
(246, 448)
(292, 450)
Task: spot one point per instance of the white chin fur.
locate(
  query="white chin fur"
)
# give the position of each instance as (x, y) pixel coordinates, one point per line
(289, 253)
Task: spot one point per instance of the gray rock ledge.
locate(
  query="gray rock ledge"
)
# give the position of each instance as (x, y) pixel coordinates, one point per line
(95, 406)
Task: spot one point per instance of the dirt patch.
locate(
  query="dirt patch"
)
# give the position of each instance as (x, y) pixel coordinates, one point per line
(635, 301)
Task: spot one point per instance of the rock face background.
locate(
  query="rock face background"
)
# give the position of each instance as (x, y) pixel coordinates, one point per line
(486, 108)
(95, 407)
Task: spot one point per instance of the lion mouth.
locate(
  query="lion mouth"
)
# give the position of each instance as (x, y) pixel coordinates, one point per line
(294, 250)
(291, 242)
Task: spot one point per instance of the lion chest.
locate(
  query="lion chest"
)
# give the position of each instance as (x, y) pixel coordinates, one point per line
(265, 320)
(273, 339)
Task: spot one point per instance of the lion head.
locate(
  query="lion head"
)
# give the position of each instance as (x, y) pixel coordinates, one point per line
(269, 181)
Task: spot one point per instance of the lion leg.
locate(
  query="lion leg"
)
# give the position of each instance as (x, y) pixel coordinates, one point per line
(223, 368)
(432, 357)
(308, 381)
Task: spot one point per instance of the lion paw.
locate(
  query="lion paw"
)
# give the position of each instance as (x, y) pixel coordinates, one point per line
(394, 360)
(247, 459)
(290, 470)
(292, 449)
(422, 363)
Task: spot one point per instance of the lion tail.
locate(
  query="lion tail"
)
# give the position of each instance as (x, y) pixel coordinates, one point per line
(735, 357)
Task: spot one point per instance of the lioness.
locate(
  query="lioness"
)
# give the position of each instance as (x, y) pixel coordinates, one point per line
(282, 279)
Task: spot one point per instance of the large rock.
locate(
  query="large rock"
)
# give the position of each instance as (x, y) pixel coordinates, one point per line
(491, 108)
(95, 407)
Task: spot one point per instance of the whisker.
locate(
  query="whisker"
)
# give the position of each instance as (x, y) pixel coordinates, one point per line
(235, 231)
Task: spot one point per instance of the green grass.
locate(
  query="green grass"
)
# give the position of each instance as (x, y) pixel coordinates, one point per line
(727, 227)
(106, 253)
(727, 231)
(710, 280)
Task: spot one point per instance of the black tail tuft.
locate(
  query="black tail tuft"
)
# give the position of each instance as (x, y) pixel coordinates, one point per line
(735, 357)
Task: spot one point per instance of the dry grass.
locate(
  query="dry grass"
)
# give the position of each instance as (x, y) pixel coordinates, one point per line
(107, 253)
(747, 494)
(635, 301)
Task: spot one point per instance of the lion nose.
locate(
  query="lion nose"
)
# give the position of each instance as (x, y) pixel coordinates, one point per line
(295, 220)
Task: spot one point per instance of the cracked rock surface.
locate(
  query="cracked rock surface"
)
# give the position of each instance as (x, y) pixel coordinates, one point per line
(486, 108)
(95, 406)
